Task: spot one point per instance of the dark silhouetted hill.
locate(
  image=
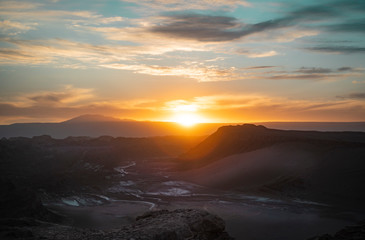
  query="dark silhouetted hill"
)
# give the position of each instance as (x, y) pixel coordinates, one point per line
(229, 140)
(326, 167)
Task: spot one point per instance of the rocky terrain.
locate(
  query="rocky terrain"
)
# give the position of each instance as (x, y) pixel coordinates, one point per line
(348, 233)
(162, 225)
(294, 184)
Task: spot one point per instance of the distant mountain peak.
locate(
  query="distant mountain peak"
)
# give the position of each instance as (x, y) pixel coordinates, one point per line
(93, 118)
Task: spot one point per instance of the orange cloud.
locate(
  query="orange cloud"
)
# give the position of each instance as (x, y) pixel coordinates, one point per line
(71, 102)
(200, 73)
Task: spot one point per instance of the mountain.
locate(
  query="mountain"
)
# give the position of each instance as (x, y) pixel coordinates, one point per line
(97, 125)
(93, 118)
(326, 167)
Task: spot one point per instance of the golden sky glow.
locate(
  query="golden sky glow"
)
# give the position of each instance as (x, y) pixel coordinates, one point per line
(186, 114)
(182, 61)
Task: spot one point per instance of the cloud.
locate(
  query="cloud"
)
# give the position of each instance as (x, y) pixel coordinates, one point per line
(61, 113)
(69, 95)
(24, 12)
(353, 26)
(314, 70)
(316, 73)
(211, 73)
(18, 56)
(304, 73)
(208, 28)
(358, 82)
(69, 102)
(48, 51)
(236, 107)
(357, 95)
(304, 76)
(199, 27)
(76, 55)
(258, 107)
(260, 67)
(18, 5)
(7, 25)
(337, 49)
(175, 5)
(344, 69)
(294, 24)
(200, 73)
(251, 54)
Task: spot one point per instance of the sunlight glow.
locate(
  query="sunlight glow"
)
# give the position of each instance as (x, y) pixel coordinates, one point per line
(185, 113)
(187, 119)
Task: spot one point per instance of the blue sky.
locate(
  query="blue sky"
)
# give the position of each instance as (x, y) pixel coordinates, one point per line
(230, 61)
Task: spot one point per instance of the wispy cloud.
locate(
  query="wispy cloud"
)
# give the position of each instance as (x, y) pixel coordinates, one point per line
(7, 25)
(68, 96)
(175, 5)
(209, 28)
(211, 73)
(18, 5)
(356, 95)
(200, 73)
(35, 12)
(315, 70)
(251, 54)
(48, 51)
(337, 49)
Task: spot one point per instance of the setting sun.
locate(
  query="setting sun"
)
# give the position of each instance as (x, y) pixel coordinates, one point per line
(185, 113)
(187, 119)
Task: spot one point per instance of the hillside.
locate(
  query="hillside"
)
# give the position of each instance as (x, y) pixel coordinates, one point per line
(229, 140)
(327, 167)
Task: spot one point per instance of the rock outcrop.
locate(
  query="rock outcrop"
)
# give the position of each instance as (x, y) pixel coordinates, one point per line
(348, 233)
(180, 224)
(22, 202)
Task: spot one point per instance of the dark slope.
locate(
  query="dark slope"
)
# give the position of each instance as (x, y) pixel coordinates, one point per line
(328, 167)
(229, 140)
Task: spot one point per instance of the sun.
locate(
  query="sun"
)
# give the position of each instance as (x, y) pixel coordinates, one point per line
(185, 113)
(187, 119)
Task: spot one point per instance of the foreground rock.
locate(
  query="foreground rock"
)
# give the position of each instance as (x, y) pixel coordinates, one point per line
(180, 224)
(348, 233)
(17, 201)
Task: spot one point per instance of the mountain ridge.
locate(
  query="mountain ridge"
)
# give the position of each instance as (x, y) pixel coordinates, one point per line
(94, 125)
(94, 118)
(229, 140)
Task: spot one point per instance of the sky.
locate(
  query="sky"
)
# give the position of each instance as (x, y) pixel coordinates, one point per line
(175, 60)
